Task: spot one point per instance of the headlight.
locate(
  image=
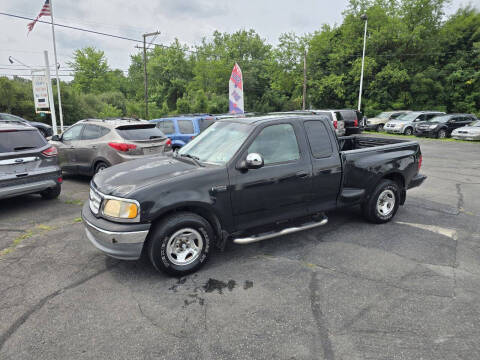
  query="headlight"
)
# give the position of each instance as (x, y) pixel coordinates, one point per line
(120, 209)
(432, 126)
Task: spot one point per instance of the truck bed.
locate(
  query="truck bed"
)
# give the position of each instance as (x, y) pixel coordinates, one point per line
(348, 143)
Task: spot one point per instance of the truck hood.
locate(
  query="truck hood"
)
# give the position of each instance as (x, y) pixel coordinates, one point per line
(122, 179)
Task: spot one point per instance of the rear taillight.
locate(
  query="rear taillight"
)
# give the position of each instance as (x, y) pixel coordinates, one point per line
(420, 159)
(122, 146)
(355, 122)
(51, 151)
(168, 142)
(335, 123)
(60, 180)
(193, 137)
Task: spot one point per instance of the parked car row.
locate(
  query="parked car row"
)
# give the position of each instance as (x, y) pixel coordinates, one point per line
(45, 130)
(426, 123)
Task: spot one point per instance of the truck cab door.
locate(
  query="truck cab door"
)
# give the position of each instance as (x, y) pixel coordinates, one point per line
(326, 166)
(277, 191)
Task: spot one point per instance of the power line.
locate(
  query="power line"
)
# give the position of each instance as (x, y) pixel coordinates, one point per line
(92, 31)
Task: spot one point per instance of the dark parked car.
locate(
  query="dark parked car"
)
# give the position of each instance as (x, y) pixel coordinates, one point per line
(28, 163)
(182, 129)
(92, 145)
(245, 180)
(45, 130)
(353, 121)
(443, 126)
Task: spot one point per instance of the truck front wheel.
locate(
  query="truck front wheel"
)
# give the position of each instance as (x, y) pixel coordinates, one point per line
(180, 244)
(383, 204)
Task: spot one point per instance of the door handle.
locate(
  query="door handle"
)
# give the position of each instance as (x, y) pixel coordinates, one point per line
(302, 174)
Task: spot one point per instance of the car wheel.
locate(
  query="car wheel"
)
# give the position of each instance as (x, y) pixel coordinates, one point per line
(380, 127)
(51, 193)
(100, 166)
(442, 134)
(180, 244)
(408, 131)
(383, 204)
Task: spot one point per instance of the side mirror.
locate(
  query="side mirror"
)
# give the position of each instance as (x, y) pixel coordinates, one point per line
(253, 161)
(56, 138)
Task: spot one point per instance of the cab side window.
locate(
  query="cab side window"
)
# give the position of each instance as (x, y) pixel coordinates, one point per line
(318, 138)
(92, 132)
(73, 133)
(166, 126)
(277, 144)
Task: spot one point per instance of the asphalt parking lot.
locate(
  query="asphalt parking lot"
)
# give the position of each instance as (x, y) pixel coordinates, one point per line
(409, 289)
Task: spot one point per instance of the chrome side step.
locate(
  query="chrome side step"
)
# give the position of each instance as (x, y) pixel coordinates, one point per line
(285, 231)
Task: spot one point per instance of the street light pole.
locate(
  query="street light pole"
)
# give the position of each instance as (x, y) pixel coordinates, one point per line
(364, 18)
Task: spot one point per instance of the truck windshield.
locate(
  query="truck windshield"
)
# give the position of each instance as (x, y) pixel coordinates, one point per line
(218, 143)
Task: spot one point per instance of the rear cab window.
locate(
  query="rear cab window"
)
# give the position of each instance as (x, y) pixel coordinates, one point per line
(318, 138)
(140, 132)
(20, 140)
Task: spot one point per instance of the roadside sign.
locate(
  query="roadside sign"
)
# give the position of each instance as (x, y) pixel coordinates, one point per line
(40, 92)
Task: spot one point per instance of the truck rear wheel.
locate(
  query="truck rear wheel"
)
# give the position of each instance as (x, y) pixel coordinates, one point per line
(180, 244)
(383, 204)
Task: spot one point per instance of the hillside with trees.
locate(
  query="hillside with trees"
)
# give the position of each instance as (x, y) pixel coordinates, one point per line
(416, 58)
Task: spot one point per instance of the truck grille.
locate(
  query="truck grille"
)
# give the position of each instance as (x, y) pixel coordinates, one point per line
(95, 201)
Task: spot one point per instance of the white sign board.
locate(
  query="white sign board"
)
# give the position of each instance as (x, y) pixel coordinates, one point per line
(40, 93)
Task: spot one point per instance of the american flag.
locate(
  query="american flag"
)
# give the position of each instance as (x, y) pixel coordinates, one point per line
(44, 12)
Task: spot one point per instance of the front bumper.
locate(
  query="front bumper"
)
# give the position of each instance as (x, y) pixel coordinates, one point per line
(473, 137)
(371, 127)
(417, 181)
(120, 241)
(393, 130)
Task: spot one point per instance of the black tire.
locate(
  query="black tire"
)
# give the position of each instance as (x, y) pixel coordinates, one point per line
(99, 167)
(408, 131)
(379, 128)
(159, 251)
(388, 189)
(441, 134)
(51, 193)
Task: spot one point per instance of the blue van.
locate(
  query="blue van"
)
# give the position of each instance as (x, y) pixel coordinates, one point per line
(183, 128)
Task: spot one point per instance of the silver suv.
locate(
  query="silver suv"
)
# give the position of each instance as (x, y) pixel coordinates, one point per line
(92, 145)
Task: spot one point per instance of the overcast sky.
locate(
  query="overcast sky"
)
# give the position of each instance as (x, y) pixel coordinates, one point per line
(187, 20)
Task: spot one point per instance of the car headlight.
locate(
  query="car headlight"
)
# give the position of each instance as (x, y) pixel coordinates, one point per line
(432, 126)
(120, 209)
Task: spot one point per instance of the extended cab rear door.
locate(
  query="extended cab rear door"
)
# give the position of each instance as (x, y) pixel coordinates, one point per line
(326, 165)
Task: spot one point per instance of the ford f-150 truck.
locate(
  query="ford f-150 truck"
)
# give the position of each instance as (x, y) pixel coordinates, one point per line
(244, 180)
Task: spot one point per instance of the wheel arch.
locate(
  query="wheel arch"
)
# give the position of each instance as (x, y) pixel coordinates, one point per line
(399, 179)
(199, 209)
(96, 162)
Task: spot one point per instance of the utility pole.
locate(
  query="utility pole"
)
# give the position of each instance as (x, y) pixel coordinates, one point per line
(56, 68)
(145, 68)
(50, 94)
(364, 18)
(304, 78)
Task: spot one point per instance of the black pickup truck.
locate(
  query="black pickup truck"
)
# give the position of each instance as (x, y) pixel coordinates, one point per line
(244, 180)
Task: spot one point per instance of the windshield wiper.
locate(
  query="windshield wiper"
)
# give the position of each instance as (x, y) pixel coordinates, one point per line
(194, 158)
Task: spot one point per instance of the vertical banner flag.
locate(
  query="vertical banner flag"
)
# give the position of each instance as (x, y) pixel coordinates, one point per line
(235, 88)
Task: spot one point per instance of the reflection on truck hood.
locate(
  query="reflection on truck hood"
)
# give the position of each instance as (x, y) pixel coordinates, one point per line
(122, 179)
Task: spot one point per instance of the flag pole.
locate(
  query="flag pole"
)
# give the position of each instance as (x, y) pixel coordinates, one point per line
(56, 69)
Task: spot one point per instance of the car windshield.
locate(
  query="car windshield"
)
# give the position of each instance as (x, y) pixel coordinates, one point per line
(408, 117)
(218, 143)
(475, 123)
(17, 140)
(384, 115)
(441, 119)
